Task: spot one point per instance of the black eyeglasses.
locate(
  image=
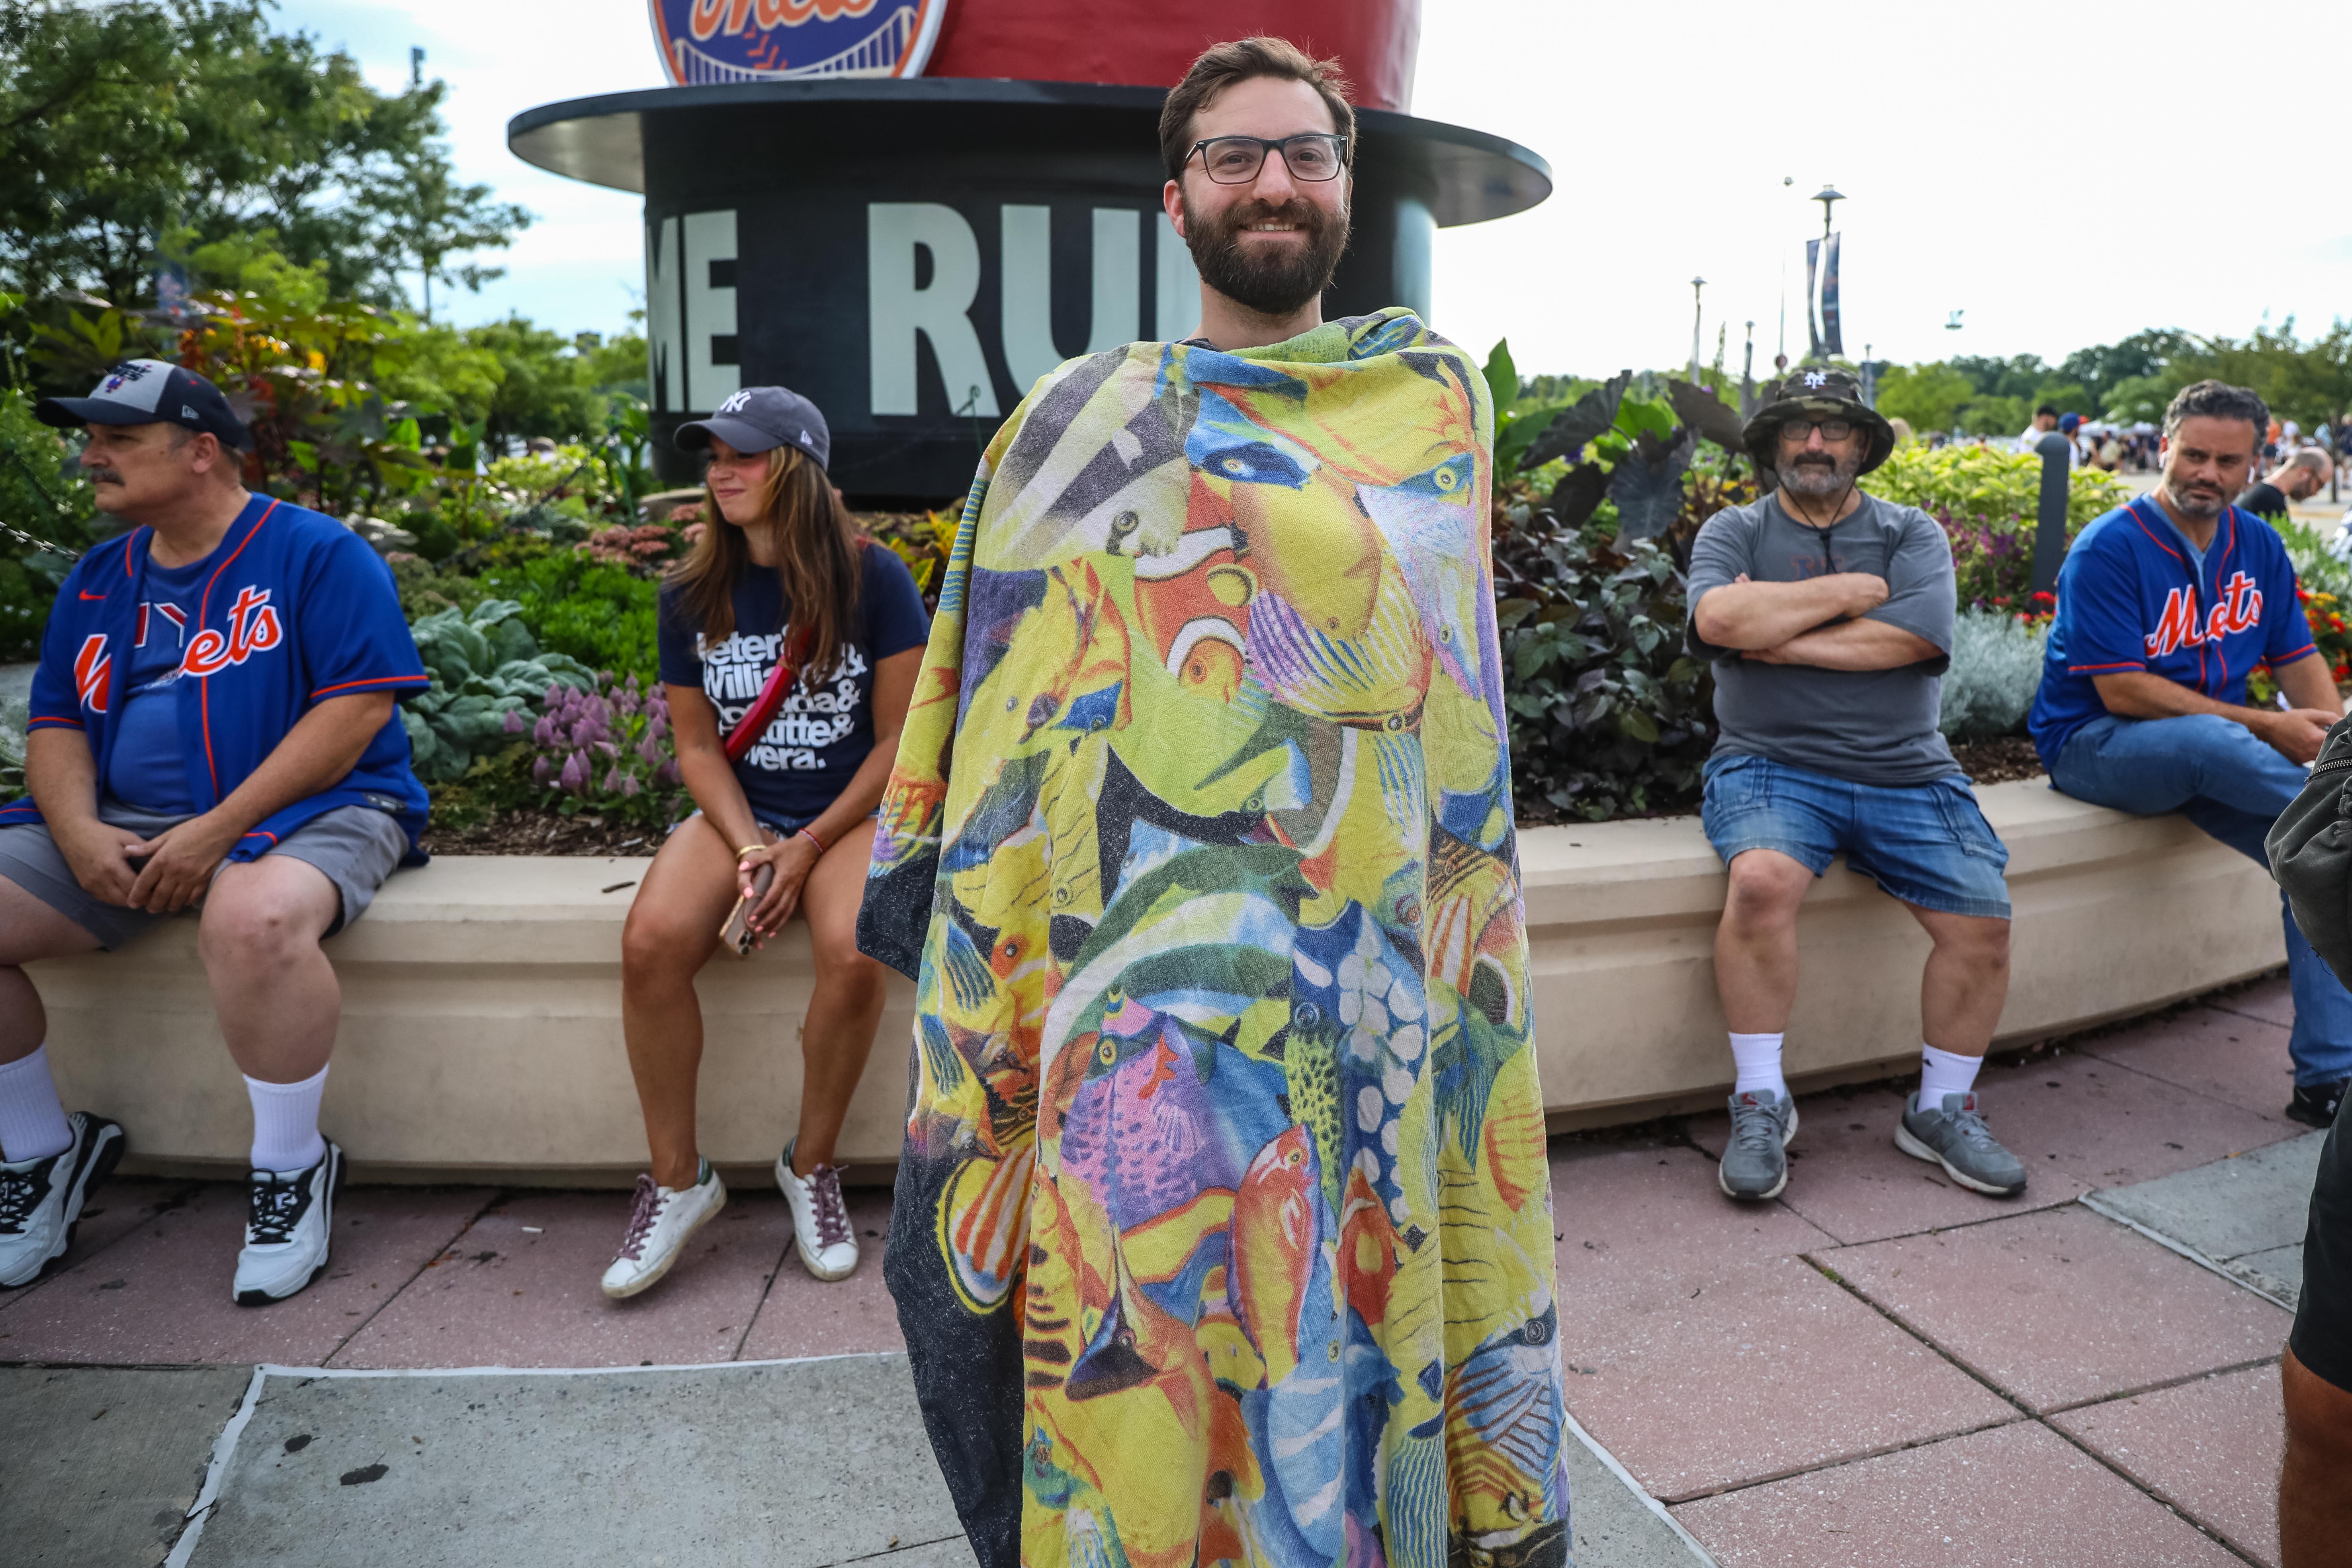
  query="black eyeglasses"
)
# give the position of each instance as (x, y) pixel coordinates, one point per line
(1798, 430)
(1313, 156)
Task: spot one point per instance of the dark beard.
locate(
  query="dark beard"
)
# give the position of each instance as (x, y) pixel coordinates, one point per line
(1278, 283)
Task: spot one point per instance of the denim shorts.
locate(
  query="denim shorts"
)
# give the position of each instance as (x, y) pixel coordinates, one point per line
(1926, 844)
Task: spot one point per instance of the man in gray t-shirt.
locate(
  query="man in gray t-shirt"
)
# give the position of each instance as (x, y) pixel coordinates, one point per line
(1828, 617)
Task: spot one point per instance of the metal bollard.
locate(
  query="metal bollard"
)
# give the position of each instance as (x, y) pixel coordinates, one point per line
(2050, 531)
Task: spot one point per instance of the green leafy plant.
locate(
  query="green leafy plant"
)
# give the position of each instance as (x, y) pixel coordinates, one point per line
(487, 672)
(1609, 717)
(1989, 505)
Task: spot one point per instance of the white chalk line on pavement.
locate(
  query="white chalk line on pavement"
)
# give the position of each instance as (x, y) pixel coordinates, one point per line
(224, 1450)
(2091, 1201)
(274, 1370)
(1625, 1478)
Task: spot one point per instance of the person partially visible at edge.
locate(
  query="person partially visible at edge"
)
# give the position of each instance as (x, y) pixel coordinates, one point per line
(1828, 613)
(2302, 475)
(212, 726)
(2165, 606)
(1222, 1231)
(2045, 420)
(780, 572)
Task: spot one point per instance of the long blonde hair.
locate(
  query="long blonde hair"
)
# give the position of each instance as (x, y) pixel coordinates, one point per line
(817, 560)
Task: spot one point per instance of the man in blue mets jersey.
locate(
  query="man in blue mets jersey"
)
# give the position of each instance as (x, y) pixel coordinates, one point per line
(2165, 608)
(212, 723)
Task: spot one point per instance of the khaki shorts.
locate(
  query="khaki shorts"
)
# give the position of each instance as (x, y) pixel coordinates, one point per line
(356, 846)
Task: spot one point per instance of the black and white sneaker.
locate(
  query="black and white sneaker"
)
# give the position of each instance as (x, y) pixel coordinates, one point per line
(41, 1200)
(287, 1230)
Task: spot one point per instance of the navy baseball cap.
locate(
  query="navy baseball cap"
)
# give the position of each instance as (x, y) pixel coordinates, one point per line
(760, 419)
(146, 392)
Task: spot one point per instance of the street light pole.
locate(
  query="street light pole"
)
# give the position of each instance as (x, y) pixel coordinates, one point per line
(1697, 284)
(1829, 196)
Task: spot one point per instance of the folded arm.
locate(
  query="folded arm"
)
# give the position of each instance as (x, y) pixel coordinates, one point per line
(1851, 645)
(1741, 614)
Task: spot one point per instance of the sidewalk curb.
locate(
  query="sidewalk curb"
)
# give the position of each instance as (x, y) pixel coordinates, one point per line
(1699, 1554)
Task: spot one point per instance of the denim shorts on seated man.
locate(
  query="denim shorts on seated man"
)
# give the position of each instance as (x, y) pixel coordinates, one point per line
(1926, 844)
(354, 847)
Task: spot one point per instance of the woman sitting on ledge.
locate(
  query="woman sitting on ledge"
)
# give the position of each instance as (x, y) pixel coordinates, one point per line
(786, 766)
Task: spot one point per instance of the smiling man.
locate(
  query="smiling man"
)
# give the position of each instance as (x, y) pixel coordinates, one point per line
(1223, 1230)
(2165, 608)
(212, 724)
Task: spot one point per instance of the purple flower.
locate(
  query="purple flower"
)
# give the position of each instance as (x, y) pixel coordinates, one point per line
(543, 732)
(611, 785)
(540, 769)
(513, 722)
(649, 751)
(667, 773)
(608, 748)
(576, 774)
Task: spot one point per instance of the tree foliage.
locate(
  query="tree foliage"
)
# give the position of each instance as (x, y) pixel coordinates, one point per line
(128, 128)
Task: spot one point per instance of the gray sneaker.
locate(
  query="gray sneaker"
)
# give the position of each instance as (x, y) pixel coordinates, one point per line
(1756, 1159)
(1956, 1139)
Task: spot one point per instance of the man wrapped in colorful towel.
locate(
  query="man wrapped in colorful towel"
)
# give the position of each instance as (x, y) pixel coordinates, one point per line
(1222, 1231)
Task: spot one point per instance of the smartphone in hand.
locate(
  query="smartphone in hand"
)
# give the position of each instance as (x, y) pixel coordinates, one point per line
(737, 935)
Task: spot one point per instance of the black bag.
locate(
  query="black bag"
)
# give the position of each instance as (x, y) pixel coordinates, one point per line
(2310, 847)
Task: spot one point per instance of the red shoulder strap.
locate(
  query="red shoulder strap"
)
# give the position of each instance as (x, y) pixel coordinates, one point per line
(756, 718)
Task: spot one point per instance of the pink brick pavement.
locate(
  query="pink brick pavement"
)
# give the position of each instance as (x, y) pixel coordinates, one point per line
(1806, 1381)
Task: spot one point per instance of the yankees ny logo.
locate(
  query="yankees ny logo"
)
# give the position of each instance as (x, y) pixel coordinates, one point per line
(736, 403)
(1815, 378)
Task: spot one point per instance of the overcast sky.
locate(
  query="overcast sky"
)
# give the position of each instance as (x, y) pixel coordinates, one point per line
(2063, 177)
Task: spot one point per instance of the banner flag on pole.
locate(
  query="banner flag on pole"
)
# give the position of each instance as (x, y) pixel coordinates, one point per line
(1813, 321)
(1832, 342)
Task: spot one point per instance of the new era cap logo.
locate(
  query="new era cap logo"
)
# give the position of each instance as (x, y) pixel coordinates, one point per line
(1815, 378)
(187, 413)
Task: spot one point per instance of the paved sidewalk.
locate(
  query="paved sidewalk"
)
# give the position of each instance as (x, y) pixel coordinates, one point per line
(1879, 1369)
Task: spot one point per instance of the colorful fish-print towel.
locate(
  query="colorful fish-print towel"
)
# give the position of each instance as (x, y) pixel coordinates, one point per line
(1223, 1231)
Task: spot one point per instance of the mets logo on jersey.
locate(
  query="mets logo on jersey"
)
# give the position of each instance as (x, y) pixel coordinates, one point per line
(705, 41)
(2181, 626)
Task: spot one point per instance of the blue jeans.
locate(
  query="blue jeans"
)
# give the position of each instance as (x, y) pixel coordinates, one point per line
(1926, 844)
(2216, 773)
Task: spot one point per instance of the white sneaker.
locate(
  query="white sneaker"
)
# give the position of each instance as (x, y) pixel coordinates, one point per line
(821, 1229)
(659, 1224)
(40, 1200)
(287, 1229)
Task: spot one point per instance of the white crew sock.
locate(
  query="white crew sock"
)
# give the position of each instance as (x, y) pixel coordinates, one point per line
(32, 1125)
(285, 1123)
(1942, 1073)
(1758, 1057)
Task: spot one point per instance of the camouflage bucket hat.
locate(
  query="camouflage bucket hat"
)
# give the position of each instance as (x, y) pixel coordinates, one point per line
(1820, 392)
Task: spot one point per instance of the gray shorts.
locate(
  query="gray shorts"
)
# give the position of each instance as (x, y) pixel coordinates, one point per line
(357, 847)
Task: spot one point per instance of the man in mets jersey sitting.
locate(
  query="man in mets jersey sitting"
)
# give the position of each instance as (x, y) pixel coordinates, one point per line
(212, 722)
(2165, 608)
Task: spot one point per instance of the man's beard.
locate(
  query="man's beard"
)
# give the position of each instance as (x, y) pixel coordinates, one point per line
(1818, 476)
(2197, 504)
(1278, 280)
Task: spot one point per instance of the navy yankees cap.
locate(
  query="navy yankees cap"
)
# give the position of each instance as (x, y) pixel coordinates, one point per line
(144, 392)
(759, 419)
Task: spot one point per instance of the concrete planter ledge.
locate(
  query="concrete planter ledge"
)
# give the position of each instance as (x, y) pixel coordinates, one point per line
(481, 1028)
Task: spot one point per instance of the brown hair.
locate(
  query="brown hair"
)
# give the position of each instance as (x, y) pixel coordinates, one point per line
(816, 562)
(1222, 64)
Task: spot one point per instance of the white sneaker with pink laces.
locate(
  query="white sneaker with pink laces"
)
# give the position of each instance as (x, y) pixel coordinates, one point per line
(821, 1229)
(660, 1221)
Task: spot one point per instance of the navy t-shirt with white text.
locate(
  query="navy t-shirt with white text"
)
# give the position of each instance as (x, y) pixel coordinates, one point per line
(818, 739)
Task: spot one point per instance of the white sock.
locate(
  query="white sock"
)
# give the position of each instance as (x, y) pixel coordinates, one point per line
(1942, 1073)
(1758, 1057)
(32, 1123)
(285, 1123)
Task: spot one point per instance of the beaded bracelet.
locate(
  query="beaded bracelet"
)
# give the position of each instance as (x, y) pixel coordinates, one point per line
(814, 840)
